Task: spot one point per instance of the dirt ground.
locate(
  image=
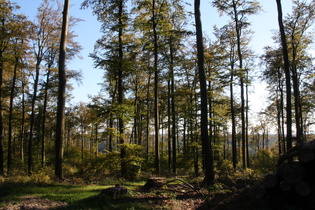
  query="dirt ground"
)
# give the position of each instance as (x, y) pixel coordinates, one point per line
(174, 197)
(34, 203)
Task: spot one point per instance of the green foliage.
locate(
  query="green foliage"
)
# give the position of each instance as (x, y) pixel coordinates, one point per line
(43, 175)
(134, 159)
(264, 161)
(108, 164)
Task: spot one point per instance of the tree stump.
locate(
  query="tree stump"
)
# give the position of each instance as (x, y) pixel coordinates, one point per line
(114, 192)
(154, 183)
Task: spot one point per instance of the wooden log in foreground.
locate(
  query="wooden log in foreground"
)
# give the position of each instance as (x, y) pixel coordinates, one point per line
(293, 184)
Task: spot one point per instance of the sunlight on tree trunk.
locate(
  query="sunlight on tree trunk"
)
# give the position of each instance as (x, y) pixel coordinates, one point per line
(206, 145)
(61, 94)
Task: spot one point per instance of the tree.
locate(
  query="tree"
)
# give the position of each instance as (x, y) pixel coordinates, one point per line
(206, 145)
(227, 43)
(287, 75)
(114, 18)
(42, 31)
(19, 47)
(239, 10)
(273, 75)
(61, 93)
(10, 29)
(298, 40)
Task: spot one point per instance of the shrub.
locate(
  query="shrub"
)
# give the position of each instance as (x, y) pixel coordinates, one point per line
(264, 161)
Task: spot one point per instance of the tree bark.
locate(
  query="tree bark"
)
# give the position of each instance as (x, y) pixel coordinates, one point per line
(120, 90)
(174, 162)
(1, 118)
(61, 94)
(11, 116)
(44, 116)
(287, 75)
(240, 58)
(156, 95)
(206, 145)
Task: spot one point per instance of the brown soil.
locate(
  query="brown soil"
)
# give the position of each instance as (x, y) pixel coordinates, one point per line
(34, 203)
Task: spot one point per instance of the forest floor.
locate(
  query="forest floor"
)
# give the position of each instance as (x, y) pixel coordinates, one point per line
(172, 196)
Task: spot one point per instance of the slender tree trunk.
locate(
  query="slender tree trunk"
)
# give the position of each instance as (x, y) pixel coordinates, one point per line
(61, 94)
(206, 145)
(169, 131)
(22, 123)
(287, 75)
(110, 140)
(120, 91)
(156, 95)
(44, 116)
(34, 98)
(11, 116)
(1, 118)
(246, 125)
(137, 116)
(148, 118)
(297, 101)
(173, 108)
(240, 57)
(234, 150)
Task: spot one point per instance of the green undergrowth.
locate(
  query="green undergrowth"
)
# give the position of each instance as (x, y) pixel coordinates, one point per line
(230, 189)
(76, 196)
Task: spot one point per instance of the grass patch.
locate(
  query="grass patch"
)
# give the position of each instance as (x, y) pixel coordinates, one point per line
(76, 196)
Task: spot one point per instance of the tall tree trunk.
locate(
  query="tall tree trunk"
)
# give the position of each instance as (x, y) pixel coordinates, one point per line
(240, 58)
(156, 95)
(22, 128)
(297, 99)
(206, 145)
(246, 124)
(44, 115)
(234, 150)
(34, 98)
(174, 162)
(1, 118)
(11, 116)
(287, 76)
(61, 94)
(169, 131)
(120, 90)
(148, 118)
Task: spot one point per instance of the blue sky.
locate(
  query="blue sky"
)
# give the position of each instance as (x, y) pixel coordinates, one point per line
(88, 33)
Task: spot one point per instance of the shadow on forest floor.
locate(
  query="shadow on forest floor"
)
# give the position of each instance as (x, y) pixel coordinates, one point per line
(173, 196)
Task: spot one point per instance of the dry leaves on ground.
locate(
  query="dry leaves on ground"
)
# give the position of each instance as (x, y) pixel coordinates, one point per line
(34, 203)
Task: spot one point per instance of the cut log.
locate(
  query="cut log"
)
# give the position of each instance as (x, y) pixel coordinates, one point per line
(306, 155)
(293, 184)
(292, 172)
(303, 188)
(270, 181)
(285, 185)
(260, 192)
(154, 183)
(294, 151)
